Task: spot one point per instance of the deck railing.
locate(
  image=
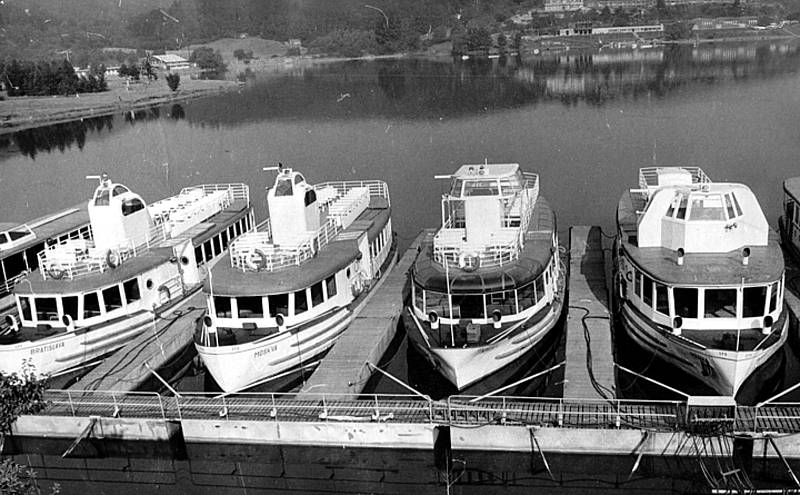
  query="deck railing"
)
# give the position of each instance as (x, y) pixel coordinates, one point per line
(648, 176)
(449, 247)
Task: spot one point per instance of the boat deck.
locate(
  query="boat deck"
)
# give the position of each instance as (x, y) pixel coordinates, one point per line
(589, 370)
(344, 369)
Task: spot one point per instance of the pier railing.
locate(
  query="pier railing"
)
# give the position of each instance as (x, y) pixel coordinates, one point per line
(456, 410)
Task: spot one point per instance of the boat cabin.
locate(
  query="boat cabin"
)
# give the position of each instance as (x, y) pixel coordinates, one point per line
(698, 259)
(790, 223)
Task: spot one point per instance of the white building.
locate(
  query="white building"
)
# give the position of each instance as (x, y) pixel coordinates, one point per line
(171, 62)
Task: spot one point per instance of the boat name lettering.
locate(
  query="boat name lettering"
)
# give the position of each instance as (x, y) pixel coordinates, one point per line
(47, 348)
(265, 351)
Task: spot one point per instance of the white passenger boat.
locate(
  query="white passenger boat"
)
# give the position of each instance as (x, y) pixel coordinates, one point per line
(700, 275)
(288, 289)
(21, 243)
(92, 294)
(790, 221)
(489, 286)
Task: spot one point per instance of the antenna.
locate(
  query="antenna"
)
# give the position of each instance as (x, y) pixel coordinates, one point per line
(279, 168)
(442, 176)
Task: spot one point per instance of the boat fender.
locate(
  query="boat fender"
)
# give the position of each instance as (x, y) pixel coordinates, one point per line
(623, 289)
(469, 262)
(112, 258)
(257, 260)
(163, 294)
(12, 322)
(56, 272)
(357, 286)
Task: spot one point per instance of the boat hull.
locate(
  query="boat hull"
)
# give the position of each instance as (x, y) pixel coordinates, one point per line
(723, 371)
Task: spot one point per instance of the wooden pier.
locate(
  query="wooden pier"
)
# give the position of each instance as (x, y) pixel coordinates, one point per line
(131, 367)
(344, 370)
(589, 369)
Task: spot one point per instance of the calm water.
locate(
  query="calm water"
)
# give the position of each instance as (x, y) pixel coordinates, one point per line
(586, 122)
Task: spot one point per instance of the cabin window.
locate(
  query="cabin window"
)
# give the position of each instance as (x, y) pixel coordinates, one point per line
(509, 186)
(481, 188)
(527, 297)
(317, 297)
(131, 206)
(250, 307)
(540, 286)
(3, 238)
(729, 207)
(330, 286)
(198, 253)
(685, 302)
(310, 197)
(662, 299)
(300, 302)
(119, 190)
(637, 283)
(46, 309)
(298, 178)
(14, 265)
(647, 291)
(131, 288)
(91, 305)
(503, 302)
(224, 237)
(279, 303)
(102, 198)
(458, 184)
(736, 205)
(672, 206)
(222, 307)
(419, 302)
(231, 234)
(707, 208)
(773, 297)
(25, 308)
(70, 304)
(217, 245)
(789, 211)
(754, 301)
(112, 298)
(682, 205)
(208, 251)
(283, 187)
(720, 303)
(437, 301)
(468, 306)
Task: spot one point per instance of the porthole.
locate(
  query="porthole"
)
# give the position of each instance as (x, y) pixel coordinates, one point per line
(149, 283)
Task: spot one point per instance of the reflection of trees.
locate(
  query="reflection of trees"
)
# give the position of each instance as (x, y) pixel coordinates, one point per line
(392, 81)
(57, 136)
(177, 112)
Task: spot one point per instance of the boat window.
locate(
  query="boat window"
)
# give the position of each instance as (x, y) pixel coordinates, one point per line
(685, 302)
(682, 208)
(789, 207)
(540, 286)
(720, 303)
(208, 250)
(662, 299)
(673, 205)
(3, 238)
(279, 303)
(224, 237)
(316, 294)
(198, 254)
(15, 235)
(330, 286)
(729, 207)
(91, 305)
(300, 302)
(70, 304)
(25, 306)
(736, 205)
(754, 301)
(217, 244)
(527, 297)
(112, 298)
(455, 190)
(419, 303)
(298, 178)
(468, 306)
(707, 207)
(481, 188)
(14, 265)
(647, 290)
(46, 309)
(283, 187)
(436, 301)
(509, 186)
(101, 199)
(503, 302)
(131, 288)
(310, 197)
(250, 307)
(222, 307)
(637, 283)
(119, 190)
(131, 206)
(773, 297)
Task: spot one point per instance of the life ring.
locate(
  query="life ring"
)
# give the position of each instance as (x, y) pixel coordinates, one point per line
(56, 272)
(163, 294)
(469, 262)
(256, 260)
(357, 287)
(112, 258)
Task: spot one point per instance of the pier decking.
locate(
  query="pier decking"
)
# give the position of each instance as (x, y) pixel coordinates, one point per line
(344, 370)
(130, 367)
(589, 370)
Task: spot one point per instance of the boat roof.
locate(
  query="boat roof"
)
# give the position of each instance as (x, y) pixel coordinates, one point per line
(486, 170)
(332, 257)
(536, 253)
(792, 187)
(765, 262)
(47, 227)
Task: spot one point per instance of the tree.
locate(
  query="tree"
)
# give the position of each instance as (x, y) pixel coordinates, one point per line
(208, 59)
(173, 80)
(677, 31)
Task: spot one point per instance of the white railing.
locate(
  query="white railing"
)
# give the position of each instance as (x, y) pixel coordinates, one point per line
(648, 176)
(238, 190)
(256, 251)
(449, 247)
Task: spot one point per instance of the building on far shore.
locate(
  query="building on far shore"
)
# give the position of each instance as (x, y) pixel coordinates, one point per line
(171, 62)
